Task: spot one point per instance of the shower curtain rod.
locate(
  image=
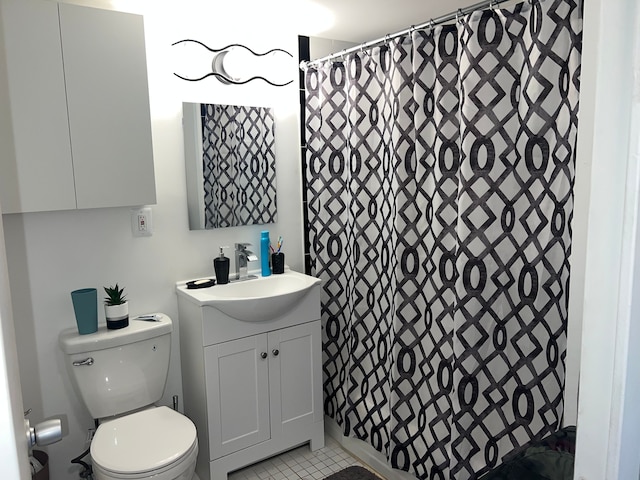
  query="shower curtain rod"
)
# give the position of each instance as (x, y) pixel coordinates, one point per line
(429, 24)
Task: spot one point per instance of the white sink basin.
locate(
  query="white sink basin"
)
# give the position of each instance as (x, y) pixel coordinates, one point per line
(255, 300)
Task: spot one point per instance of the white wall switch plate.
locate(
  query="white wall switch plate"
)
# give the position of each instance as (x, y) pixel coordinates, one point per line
(141, 222)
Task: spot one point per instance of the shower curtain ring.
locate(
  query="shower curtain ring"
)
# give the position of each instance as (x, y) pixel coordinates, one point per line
(432, 25)
(458, 15)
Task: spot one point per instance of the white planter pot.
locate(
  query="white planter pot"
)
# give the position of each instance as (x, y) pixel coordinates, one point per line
(117, 315)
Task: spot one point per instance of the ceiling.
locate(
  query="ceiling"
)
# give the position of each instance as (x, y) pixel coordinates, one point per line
(360, 21)
(355, 21)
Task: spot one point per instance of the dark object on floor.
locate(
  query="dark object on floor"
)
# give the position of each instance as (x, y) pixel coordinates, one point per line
(354, 472)
(41, 472)
(548, 459)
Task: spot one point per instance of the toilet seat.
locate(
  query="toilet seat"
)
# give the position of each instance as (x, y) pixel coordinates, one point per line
(182, 470)
(145, 443)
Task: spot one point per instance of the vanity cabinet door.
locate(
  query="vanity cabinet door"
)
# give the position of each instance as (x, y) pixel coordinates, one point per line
(237, 386)
(263, 387)
(295, 379)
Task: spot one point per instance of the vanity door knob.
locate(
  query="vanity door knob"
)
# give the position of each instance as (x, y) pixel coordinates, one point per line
(263, 355)
(275, 352)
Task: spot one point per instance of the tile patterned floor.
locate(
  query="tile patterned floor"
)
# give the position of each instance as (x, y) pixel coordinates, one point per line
(300, 463)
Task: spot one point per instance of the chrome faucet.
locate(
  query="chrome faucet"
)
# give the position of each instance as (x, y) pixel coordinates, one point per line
(243, 256)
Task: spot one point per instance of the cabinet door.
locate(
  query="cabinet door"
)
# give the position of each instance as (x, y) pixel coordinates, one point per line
(295, 378)
(108, 102)
(36, 172)
(237, 394)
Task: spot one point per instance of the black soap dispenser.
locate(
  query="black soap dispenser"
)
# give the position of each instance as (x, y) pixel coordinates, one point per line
(221, 266)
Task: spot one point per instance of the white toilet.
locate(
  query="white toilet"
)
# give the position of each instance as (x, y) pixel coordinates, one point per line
(120, 374)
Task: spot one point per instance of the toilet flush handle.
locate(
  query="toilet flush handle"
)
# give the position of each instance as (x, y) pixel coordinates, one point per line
(86, 362)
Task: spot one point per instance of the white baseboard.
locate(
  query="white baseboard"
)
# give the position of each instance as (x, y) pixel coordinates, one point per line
(365, 452)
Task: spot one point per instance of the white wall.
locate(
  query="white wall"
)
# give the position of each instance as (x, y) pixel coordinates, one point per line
(322, 47)
(51, 254)
(12, 439)
(608, 422)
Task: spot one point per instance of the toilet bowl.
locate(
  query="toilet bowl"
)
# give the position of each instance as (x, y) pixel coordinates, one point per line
(156, 443)
(120, 375)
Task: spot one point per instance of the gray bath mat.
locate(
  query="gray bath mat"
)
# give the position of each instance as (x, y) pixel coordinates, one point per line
(355, 472)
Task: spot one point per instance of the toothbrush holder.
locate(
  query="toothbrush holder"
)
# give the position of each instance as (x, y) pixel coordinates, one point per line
(277, 262)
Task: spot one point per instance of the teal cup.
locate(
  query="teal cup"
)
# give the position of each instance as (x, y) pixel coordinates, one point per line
(85, 306)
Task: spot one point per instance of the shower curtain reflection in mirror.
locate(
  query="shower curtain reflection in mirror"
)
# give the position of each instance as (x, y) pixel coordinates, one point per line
(230, 165)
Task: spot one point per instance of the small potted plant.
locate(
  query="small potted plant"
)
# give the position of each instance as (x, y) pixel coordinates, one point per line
(116, 307)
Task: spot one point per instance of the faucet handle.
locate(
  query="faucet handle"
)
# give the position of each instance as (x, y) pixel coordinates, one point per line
(242, 246)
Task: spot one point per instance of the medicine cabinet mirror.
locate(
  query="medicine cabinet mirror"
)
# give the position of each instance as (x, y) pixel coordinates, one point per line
(230, 165)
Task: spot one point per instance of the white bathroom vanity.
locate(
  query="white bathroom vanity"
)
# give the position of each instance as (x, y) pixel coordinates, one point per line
(252, 385)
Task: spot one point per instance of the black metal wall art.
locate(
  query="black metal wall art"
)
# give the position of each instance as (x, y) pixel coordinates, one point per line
(255, 61)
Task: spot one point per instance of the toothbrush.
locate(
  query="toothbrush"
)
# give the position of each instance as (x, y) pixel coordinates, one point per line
(149, 318)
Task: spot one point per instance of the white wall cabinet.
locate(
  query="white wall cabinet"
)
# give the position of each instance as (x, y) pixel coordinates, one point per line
(77, 133)
(253, 389)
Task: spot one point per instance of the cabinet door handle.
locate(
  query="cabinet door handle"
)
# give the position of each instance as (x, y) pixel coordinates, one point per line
(263, 355)
(275, 352)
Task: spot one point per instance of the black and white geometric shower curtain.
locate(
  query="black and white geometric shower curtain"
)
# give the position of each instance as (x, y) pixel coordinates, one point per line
(238, 161)
(440, 173)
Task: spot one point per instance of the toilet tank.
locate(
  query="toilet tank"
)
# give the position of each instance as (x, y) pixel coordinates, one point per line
(117, 371)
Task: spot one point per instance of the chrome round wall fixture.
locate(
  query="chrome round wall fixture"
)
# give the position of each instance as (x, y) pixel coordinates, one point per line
(217, 66)
(235, 65)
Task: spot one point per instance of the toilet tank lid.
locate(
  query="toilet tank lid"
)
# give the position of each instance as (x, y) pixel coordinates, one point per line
(72, 342)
